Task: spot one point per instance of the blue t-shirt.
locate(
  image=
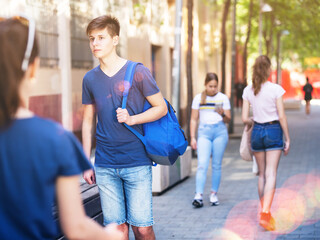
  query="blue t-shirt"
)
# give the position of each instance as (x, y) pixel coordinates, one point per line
(116, 146)
(34, 152)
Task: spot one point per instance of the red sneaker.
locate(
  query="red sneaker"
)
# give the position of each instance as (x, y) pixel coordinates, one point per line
(267, 221)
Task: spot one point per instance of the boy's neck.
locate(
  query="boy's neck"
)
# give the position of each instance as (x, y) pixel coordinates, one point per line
(112, 64)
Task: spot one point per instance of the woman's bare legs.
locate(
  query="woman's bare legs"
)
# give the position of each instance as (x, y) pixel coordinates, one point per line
(272, 162)
(267, 164)
(261, 162)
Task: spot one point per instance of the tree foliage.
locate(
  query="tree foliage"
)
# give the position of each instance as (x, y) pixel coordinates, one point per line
(301, 18)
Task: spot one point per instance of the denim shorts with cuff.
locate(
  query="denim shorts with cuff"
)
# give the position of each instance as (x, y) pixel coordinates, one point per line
(126, 195)
(266, 137)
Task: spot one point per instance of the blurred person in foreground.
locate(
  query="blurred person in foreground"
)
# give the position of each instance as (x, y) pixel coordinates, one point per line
(212, 109)
(40, 162)
(123, 170)
(270, 124)
(307, 88)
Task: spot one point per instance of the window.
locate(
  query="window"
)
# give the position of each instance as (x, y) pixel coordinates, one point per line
(45, 14)
(81, 55)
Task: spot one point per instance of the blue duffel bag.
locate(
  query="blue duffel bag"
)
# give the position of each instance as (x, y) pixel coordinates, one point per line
(164, 139)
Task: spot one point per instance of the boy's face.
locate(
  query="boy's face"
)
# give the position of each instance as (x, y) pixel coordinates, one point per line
(101, 43)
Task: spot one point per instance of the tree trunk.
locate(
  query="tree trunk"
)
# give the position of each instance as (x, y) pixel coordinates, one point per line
(224, 44)
(189, 64)
(245, 49)
(268, 34)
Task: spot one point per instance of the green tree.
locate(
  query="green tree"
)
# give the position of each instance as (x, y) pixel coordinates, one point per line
(300, 17)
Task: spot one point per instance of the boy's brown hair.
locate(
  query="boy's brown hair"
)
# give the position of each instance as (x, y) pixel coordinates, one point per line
(110, 23)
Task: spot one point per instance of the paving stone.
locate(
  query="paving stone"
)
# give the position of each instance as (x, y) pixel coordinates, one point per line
(238, 189)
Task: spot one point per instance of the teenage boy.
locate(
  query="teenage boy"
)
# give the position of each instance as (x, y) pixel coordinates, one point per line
(122, 169)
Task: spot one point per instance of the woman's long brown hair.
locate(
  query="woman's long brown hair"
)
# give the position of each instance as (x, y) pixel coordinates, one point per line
(261, 72)
(210, 76)
(13, 43)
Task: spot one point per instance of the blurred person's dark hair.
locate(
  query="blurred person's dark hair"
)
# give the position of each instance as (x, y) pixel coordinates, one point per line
(13, 44)
(110, 23)
(261, 72)
(209, 77)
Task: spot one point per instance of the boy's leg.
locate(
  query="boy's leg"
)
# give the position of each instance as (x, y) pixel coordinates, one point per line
(138, 198)
(143, 233)
(111, 195)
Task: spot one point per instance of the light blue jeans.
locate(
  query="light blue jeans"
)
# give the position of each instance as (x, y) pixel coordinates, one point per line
(212, 140)
(126, 195)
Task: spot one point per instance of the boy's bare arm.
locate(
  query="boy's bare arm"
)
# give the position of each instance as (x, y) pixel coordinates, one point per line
(87, 131)
(158, 110)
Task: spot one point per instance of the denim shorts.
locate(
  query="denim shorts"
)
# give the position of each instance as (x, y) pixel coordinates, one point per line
(266, 137)
(126, 195)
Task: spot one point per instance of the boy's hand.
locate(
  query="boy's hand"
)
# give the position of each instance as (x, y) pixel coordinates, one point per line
(89, 176)
(123, 116)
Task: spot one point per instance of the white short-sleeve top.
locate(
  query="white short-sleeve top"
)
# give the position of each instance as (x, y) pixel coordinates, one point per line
(264, 106)
(207, 113)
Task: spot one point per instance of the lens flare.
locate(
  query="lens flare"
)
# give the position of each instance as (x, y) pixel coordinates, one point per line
(288, 209)
(225, 234)
(242, 219)
(121, 86)
(309, 191)
(139, 76)
(317, 189)
(308, 186)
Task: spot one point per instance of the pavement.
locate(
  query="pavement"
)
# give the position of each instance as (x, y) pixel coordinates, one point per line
(296, 205)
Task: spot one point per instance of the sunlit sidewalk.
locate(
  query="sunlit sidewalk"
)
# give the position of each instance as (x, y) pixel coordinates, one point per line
(296, 206)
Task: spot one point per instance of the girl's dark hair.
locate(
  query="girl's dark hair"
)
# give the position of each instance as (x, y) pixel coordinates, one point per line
(209, 77)
(261, 72)
(13, 43)
(110, 23)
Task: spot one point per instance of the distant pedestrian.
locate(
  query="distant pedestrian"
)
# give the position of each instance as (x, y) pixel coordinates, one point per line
(40, 162)
(239, 86)
(270, 123)
(123, 171)
(212, 109)
(307, 88)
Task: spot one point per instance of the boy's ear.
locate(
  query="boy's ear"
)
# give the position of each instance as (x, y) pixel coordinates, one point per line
(115, 40)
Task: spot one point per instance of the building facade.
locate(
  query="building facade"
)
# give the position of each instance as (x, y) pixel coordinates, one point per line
(147, 36)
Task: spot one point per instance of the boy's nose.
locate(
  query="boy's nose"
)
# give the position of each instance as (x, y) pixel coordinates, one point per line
(95, 42)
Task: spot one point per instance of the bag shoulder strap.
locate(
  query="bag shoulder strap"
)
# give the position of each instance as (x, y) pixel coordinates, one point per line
(128, 78)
